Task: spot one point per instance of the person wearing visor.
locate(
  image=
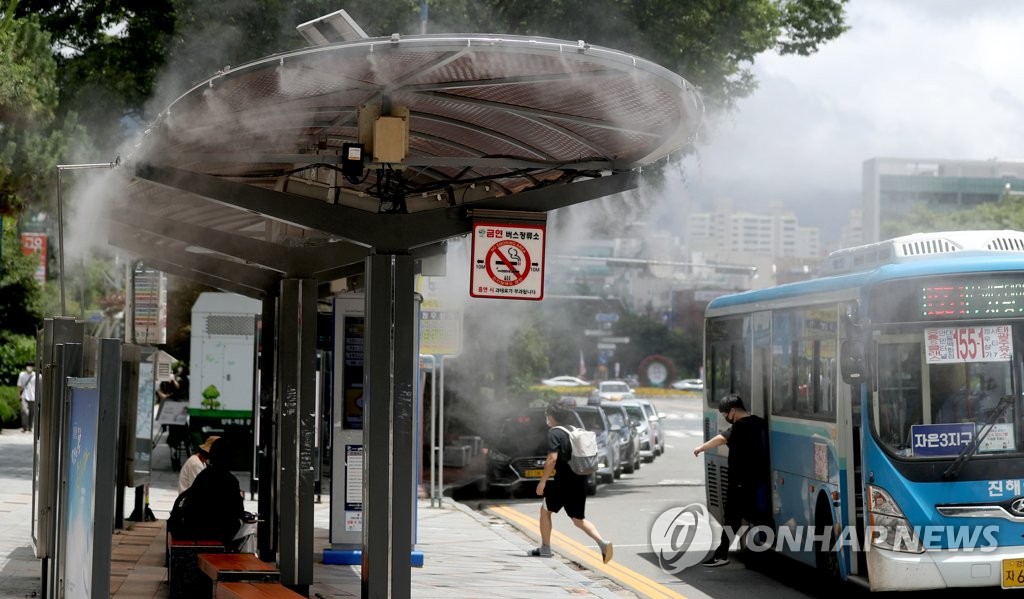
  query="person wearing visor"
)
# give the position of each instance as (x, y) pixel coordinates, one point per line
(749, 464)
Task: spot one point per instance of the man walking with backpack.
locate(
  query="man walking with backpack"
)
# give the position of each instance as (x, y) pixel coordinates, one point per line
(561, 487)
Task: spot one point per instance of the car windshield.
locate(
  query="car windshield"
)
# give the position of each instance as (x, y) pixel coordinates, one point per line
(615, 388)
(523, 433)
(616, 417)
(636, 414)
(592, 420)
(526, 433)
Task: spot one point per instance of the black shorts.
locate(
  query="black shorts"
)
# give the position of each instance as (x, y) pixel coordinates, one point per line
(569, 493)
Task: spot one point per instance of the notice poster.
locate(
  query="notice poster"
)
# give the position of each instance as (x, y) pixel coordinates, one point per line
(80, 458)
(354, 488)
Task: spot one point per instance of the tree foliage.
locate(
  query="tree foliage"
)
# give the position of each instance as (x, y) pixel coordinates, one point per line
(20, 307)
(28, 98)
(1007, 213)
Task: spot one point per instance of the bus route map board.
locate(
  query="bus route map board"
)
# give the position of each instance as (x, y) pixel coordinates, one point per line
(508, 261)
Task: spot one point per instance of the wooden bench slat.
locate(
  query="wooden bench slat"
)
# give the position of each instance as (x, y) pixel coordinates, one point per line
(254, 590)
(212, 564)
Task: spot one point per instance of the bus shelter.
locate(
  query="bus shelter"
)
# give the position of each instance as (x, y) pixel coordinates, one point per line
(343, 167)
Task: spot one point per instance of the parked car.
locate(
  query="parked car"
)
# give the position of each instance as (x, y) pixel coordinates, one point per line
(645, 436)
(655, 417)
(565, 381)
(629, 438)
(688, 385)
(610, 391)
(594, 419)
(516, 455)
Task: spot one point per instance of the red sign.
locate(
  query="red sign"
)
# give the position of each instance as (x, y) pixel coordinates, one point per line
(508, 261)
(35, 243)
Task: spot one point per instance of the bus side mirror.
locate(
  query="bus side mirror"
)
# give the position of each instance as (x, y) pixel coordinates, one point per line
(852, 365)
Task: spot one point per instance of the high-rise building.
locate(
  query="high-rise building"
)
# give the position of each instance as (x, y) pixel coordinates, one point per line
(894, 187)
(731, 234)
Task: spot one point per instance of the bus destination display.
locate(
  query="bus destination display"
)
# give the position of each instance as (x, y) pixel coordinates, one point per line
(972, 300)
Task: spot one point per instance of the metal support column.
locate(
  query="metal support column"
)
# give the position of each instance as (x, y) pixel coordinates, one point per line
(390, 413)
(266, 534)
(295, 422)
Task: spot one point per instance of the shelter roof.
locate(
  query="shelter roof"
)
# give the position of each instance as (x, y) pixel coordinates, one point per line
(240, 177)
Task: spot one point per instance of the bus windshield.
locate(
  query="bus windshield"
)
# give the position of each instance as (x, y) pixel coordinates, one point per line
(932, 407)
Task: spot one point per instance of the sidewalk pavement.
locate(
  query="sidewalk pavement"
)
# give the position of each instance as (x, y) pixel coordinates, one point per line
(466, 554)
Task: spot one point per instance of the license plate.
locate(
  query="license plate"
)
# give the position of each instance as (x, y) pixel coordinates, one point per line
(534, 473)
(1013, 573)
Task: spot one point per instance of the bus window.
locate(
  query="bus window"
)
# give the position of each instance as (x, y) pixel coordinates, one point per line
(968, 392)
(899, 394)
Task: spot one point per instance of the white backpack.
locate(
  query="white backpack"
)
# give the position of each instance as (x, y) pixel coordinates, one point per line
(584, 459)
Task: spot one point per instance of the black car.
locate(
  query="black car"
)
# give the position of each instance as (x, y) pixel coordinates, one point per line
(594, 419)
(629, 437)
(516, 455)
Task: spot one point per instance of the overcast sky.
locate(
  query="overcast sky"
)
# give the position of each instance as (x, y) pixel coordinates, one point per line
(911, 78)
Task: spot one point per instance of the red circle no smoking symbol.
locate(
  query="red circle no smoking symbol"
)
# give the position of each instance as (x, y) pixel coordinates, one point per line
(508, 263)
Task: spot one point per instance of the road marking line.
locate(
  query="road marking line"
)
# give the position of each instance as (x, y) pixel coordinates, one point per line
(588, 556)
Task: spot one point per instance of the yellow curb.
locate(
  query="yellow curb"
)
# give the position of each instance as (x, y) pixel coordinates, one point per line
(588, 556)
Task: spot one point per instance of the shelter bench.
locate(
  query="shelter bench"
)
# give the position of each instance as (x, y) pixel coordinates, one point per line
(254, 590)
(234, 567)
(183, 575)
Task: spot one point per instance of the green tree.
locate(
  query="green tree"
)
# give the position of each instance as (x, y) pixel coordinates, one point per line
(1007, 213)
(20, 305)
(28, 97)
(527, 355)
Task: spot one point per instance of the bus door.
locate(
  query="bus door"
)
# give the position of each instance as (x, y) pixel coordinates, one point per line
(848, 444)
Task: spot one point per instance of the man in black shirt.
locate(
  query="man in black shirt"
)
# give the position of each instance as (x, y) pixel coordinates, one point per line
(749, 472)
(213, 508)
(561, 487)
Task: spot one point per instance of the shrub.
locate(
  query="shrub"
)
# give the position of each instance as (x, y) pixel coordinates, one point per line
(15, 352)
(10, 406)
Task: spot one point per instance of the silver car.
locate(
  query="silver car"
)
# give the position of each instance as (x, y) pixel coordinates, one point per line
(655, 417)
(638, 417)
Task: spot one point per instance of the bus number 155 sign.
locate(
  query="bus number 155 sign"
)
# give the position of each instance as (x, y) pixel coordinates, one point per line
(508, 261)
(968, 344)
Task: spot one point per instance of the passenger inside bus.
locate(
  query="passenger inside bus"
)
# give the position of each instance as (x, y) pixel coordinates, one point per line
(968, 392)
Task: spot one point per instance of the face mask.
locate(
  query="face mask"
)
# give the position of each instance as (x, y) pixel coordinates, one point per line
(727, 419)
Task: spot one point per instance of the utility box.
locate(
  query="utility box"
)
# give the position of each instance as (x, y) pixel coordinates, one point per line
(391, 138)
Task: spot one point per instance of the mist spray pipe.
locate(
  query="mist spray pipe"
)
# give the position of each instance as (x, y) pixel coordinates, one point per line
(60, 219)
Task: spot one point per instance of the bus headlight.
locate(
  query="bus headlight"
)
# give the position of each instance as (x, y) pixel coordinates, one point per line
(888, 528)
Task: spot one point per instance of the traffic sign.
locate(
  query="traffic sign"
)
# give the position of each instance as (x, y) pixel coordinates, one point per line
(615, 340)
(594, 332)
(508, 261)
(605, 346)
(606, 317)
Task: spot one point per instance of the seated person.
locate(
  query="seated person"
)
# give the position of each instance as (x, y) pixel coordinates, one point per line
(195, 464)
(212, 507)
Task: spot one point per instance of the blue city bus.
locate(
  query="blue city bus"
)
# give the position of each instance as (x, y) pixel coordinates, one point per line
(891, 387)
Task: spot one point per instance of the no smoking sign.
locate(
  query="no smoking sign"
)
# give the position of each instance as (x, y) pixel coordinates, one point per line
(508, 261)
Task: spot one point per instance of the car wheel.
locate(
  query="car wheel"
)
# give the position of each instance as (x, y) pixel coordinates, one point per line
(592, 485)
(629, 468)
(637, 462)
